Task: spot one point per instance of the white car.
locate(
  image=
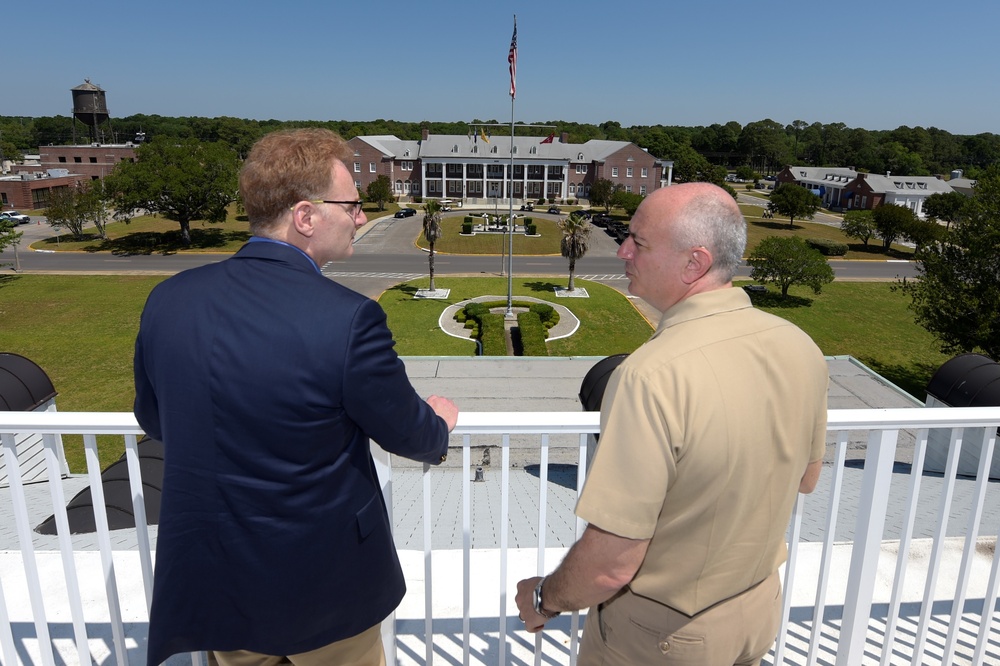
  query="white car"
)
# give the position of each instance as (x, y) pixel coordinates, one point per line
(14, 215)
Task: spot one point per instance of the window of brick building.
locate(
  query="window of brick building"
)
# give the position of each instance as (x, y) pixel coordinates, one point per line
(614, 172)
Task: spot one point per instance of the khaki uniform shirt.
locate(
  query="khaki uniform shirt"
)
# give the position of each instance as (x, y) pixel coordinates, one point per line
(706, 431)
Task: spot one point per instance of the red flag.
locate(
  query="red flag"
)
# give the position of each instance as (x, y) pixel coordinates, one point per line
(512, 59)
(549, 138)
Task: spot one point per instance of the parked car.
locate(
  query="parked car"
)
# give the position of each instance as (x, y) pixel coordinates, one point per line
(18, 218)
(585, 214)
(528, 206)
(406, 212)
(601, 219)
(554, 210)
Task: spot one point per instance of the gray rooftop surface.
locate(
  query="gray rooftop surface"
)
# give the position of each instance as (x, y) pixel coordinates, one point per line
(485, 384)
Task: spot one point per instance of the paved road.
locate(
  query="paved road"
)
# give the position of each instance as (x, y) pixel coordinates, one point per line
(384, 247)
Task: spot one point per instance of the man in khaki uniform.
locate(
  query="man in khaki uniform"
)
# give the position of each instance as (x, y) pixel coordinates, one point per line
(708, 431)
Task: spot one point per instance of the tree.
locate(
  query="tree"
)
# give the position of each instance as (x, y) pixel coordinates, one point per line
(957, 296)
(746, 173)
(795, 202)
(432, 230)
(947, 206)
(891, 222)
(574, 242)
(628, 201)
(380, 191)
(922, 232)
(74, 208)
(182, 180)
(787, 261)
(10, 237)
(601, 192)
(859, 224)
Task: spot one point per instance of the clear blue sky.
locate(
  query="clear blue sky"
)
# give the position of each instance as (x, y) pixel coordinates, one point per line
(876, 65)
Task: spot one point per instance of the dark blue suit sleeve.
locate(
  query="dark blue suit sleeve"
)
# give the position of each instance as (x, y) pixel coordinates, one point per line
(378, 395)
(145, 408)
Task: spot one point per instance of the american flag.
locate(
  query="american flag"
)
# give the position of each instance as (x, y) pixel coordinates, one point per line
(512, 59)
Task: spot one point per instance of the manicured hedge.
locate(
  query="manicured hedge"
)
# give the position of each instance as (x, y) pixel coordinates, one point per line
(532, 334)
(492, 335)
(830, 248)
(488, 327)
(547, 314)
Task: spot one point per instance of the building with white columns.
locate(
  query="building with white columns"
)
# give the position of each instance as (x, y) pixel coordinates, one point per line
(477, 169)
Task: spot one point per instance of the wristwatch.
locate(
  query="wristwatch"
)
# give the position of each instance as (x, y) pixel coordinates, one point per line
(538, 602)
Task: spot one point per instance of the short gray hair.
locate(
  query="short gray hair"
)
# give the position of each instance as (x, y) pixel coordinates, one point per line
(708, 220)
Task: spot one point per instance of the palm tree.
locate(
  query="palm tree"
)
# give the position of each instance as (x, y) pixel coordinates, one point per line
(432, 231)
(575, 237)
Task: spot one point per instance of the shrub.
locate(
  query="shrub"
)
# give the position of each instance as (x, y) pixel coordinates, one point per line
(551, 201)
(531, 335)
(467, 219)
(492, 335)
(827, 247)
(530, 229)
(467, 226)
(475, 310)
(541, 201)
(547, 314)
(417, 198)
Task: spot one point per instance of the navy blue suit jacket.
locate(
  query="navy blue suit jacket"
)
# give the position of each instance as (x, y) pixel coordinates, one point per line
(264, 380)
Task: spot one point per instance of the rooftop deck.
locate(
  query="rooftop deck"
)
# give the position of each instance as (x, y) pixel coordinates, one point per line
(461, 565)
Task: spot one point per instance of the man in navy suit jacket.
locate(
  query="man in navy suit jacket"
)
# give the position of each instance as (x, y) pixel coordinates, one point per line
(265, 381)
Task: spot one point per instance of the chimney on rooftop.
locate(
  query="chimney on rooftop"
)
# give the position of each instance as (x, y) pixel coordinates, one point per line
(564, 137)
(424, 133)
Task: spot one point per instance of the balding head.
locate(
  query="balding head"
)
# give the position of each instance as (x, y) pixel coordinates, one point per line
(703, 214)
(683, 240)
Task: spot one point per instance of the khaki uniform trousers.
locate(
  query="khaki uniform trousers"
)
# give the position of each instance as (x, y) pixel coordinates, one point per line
(365, 649)
(629, 630)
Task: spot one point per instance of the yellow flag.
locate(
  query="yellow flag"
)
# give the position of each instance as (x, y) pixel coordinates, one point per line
(482, 135)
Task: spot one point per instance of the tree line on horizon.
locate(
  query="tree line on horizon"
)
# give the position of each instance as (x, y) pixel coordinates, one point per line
(765, 145)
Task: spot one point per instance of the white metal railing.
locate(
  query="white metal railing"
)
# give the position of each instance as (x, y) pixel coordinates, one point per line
(925, 593)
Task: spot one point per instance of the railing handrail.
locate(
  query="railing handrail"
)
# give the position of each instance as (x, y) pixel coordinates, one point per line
(124, 423)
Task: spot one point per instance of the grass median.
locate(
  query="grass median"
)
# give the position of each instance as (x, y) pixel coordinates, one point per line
(81, 328)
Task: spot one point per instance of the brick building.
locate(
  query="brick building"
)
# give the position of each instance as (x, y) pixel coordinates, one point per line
(477, 169)
(30, 190)
(94, 161)
(846, 189)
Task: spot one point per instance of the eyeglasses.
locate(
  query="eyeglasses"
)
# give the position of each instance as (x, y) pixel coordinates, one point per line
(354, 212)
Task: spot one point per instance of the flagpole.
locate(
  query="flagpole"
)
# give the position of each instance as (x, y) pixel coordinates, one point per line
(512, 60)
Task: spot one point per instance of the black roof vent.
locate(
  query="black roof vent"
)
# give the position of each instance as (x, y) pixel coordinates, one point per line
(23, 385)
(968, 380)
(595, 382)
(117, 494)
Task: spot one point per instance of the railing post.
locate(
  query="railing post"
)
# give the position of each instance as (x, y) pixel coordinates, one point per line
(383, 469)
(874, 500)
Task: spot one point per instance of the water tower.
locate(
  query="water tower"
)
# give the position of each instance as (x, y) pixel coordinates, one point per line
(90, 108)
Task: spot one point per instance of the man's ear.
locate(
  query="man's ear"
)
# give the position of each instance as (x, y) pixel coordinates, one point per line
(303, 218)
(699, 263)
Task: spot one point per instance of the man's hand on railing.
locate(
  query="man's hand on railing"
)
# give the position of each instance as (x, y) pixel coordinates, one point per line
(525, 600)
(444, 408)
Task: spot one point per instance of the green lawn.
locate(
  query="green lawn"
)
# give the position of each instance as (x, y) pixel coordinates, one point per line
(414, 322)
(546, 240)
(759, 228)
(80, 330)
(147, 234)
